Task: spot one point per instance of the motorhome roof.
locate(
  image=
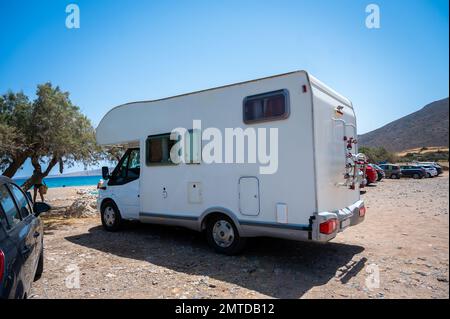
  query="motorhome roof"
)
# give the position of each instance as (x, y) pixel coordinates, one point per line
(315, 84)
(314, 81)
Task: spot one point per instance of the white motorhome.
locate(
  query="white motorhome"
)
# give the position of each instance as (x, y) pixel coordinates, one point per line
(310, 193)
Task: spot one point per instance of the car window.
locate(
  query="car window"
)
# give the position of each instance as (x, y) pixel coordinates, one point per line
(21, 201)
(122, 172)
(3, 221)
(134, 165)
(9, 207)
(128, 168)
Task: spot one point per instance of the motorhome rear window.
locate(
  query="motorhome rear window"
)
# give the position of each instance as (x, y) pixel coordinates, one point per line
(269, 106)
(158, 149)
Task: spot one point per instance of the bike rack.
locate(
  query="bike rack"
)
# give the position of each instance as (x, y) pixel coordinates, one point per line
(358, 161)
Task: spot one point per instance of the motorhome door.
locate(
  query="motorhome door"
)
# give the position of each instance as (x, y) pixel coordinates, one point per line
(124, 184)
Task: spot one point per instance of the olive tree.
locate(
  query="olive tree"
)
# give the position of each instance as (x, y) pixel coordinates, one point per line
(15, 140)
(52, 131)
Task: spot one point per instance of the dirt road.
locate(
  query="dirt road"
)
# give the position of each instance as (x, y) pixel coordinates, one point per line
(404, 242)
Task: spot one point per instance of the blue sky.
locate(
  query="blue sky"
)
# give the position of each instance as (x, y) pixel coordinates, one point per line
(136, 50)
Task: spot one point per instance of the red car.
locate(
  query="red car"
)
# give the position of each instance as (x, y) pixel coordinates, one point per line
(371, 174)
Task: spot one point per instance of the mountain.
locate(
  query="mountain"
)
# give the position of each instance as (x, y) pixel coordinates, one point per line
(424, 128)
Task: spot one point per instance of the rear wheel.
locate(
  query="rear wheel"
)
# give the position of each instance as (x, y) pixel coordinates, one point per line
(429, 175)
(111, 219)
(223, 236)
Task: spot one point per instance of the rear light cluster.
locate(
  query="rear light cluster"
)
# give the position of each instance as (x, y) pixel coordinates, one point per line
(329, 227)
(362, 211)
(2, 264)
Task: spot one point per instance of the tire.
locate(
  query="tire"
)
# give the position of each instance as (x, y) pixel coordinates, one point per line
(223, 236)
(40, 266)
(429, 175)
(111, 218)
(416, 176)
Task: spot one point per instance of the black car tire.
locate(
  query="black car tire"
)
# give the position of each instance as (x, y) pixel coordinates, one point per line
(40, 266)
(416, 176)
(107, 209)
(238, 242)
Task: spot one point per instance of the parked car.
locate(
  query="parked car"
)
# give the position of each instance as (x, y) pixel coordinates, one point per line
(430, 170)
(433, 164)
(21, 240)
(391, 170)
(371, 175)
(380, 172)
(413, 171)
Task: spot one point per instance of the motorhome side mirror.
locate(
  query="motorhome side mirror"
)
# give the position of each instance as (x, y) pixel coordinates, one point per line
(105, 172)
(40, 208)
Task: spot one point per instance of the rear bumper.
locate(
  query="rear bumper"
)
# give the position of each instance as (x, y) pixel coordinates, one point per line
(346, 217)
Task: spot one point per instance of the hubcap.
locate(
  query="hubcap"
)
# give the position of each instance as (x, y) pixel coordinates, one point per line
(223, 233)
(109, 216)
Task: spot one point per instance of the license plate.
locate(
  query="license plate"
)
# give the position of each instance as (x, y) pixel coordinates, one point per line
(345, 223)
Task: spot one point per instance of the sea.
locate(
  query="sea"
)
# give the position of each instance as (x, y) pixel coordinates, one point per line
(53, 182)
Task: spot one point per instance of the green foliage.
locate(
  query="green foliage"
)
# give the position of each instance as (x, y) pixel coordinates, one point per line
(15, 110)
(50, 130)
(425, 157)
(60, 130)
(378, 154)
(113, 154)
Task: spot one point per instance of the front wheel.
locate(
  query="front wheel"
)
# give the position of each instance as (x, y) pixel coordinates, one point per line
(223, 236)
(111, 219)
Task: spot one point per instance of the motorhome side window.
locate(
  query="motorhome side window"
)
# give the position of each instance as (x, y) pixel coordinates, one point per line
(270, 106)
(193, 146)
(158, 149)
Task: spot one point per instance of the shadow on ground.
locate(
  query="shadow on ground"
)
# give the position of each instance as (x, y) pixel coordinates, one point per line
(276, 268)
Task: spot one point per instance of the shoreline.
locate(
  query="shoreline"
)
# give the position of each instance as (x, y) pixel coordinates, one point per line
(64, 196)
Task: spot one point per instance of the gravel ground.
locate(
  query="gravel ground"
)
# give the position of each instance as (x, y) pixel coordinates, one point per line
(404, 242)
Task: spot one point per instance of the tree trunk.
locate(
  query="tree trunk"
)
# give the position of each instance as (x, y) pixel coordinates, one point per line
(38, 174)
(15, 165)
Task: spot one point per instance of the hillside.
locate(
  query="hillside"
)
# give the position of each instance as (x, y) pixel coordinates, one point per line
(424, 128)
